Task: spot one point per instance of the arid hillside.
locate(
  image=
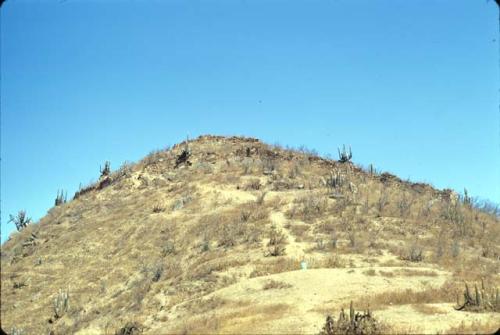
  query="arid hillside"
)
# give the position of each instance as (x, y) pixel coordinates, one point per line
(231, 235)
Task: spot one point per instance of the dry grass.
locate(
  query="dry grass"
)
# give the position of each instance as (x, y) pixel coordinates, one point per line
(475, 327)
(274, 284)
(446, 293)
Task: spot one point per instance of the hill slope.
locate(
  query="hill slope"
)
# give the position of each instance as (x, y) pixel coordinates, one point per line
(212, 236)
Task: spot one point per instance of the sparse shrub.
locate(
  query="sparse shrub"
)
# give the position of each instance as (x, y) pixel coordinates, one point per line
(276, 245)
(353, 324)
(61, 304)
(413, 254)
(157, 272)
(382, 202)
(308, 207)
(345, 156)
(168, 249)
(21, 220)
(274, 284)
(252, 184)
(60, 198)
(482, 300)
(158, 208)
(16, 331)
(227, 235)
(404, 206)
(130, 328)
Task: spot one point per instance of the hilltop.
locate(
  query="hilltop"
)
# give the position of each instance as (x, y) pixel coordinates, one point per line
(232, 235)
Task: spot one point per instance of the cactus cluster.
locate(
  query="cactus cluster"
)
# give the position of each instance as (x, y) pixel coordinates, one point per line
(482, 300)
(21, 220)
(335, 180)
(354, 323)
(106, 170)
(61, 304)
(344, 155)
(60, 198)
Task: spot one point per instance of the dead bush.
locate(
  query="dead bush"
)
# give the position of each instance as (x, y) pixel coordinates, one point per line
(274, 284)
(277, 240)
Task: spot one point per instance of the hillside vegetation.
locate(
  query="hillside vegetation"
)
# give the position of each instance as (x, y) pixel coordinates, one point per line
(231, 235)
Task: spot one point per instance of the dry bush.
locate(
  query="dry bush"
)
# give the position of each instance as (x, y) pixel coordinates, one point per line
(158, 208)
(413, 254)
(274, 284)
(130, 328)
(308, 207)
(353, 324)
(252, 184)
(299, 231)
(370, 272)
(277, 241)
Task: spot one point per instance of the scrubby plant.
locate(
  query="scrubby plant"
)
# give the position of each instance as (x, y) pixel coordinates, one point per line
(482, 300)
(21, 220)
(61, 304)
(354, 323)
(16, 331)
(345, 156)
(130, 328)
(60, 198)
(382, 201)
(413, 254)
(158, 208)
(404, 205)
(276, 245)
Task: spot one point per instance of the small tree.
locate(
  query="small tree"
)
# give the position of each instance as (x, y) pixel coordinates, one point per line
(21, 220)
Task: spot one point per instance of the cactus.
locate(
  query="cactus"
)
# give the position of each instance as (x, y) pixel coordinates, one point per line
(107, 169)
(60, 198)
(345, 156)
(355, 323)
(21, 220)
(61, 304)
(480, 301)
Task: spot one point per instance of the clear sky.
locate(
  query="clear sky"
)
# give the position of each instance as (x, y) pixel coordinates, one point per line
(412, 86)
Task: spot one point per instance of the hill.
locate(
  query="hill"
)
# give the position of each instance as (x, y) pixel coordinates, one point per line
(231, 235)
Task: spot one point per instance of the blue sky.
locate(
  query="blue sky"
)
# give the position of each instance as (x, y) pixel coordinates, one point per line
(412, 86)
